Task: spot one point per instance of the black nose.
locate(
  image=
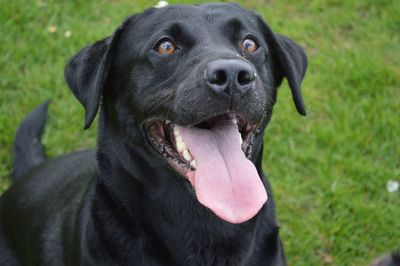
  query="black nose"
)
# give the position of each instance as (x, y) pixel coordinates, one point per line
(229, 76)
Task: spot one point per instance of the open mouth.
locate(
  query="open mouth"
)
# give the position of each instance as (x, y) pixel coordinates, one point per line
(214, 156)
(167, 139)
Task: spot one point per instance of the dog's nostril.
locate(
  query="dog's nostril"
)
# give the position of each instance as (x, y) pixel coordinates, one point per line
(218, 78)
(244, 77)
(229, 76)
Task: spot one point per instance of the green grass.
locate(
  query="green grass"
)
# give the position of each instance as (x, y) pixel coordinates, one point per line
(328, 170)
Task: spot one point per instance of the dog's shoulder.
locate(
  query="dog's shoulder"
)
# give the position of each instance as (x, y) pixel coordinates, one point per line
(47, 201)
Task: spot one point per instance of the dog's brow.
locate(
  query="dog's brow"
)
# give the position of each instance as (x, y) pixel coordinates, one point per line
(180, 32)
(176, 29)
(234, 23)
(232, 27)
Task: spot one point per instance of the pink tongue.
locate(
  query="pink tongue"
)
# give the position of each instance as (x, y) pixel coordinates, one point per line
(225, 180)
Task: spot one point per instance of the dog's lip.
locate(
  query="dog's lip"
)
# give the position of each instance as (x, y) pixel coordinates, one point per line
(197, 121)
(163, 136)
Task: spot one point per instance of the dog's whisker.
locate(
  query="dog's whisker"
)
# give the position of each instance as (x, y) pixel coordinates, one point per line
(161, 101)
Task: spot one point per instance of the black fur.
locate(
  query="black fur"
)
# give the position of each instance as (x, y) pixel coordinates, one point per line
(28, 150)
(392, 259)
(123, 204)
(396, 257)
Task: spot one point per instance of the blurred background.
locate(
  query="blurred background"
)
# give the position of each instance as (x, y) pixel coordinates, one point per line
(333, 173)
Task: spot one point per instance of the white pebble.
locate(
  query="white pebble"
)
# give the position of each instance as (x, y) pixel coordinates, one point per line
(392, 186)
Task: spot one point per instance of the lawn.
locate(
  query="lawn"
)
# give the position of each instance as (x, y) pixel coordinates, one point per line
(328, 170)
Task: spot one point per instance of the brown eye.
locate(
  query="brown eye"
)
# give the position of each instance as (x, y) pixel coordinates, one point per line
(166, 47)
(249, 45)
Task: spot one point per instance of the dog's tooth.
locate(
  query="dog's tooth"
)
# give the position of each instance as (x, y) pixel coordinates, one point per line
(176, 132)
(180, 144)
(186, 155)
(240, 138)
(193, 164)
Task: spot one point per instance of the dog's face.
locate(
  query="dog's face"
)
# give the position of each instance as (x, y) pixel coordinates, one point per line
(200, 82)
(196, 62)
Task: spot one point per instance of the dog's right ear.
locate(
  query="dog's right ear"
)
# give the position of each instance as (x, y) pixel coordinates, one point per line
(291, 62)
(86, 73)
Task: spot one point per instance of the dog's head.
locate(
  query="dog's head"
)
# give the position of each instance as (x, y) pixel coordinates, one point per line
(200, 82)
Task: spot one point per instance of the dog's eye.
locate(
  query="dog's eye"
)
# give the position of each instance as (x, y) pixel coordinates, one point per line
(249, 45)
(166, 46)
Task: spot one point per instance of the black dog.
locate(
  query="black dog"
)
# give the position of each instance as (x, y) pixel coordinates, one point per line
(176, 179)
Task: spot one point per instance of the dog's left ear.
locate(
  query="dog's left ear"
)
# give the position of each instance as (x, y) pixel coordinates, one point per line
(292, 63)
(86, 73)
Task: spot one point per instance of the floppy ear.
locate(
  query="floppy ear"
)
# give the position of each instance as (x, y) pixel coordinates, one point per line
(292, 63)
(86, 73)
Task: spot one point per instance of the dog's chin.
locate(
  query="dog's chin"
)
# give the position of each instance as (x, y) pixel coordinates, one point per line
(165, 136)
